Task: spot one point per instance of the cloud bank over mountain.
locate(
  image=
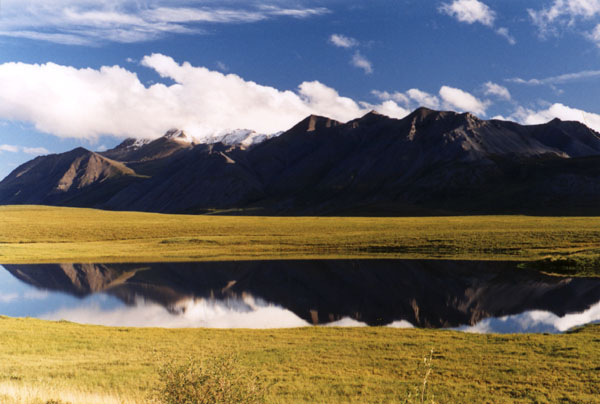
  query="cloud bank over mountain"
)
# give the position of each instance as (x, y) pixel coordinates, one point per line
(87, 103)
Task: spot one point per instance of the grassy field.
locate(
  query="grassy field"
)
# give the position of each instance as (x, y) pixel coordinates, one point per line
(69, 363)
(76, 363)
(36, 234)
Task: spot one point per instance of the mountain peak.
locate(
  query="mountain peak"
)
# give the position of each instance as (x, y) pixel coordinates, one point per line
(423, 113)
(178, 135)
(315, 122)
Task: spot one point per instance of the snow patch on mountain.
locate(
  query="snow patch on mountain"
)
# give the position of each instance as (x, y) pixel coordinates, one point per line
(238, 137)
(139, 143)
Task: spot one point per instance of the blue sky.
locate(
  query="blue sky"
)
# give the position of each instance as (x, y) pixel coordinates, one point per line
(90, 73)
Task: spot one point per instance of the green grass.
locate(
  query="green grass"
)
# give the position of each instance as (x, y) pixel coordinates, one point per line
(36, 234)
(307, 365)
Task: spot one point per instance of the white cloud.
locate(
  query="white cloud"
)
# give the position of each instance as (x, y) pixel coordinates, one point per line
(88, 22)
(35, 150)
(396, 96)
(474, 11)
(502, 31)
(560, 111)
(389, 108)
(423, 98)
(451, 98)
(497, 90)
(86, 103)
(411, 99)
(567, 13)
(563, 78)
(342, 41)
(456, 99)
(469, 11)
(358, 60)
(9, 148)
(28, 150)
(594, 35)
(294, 12)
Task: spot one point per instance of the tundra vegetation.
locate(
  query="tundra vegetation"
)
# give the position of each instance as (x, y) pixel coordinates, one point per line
(75, 363)
(37, 234)
(59, 362)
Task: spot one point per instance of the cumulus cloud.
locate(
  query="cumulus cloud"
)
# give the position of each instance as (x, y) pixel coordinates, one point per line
(411, 99)
(449, 98)
(389, 108)
(358, 60)
(470, 11)
(474, 11)
(560, 111)
(87, 22)
(496, 90)
(87, 103)
(423, 98)
(9, 148)
(457, 99)
(342, 41)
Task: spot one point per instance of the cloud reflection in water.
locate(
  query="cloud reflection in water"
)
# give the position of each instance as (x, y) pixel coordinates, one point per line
(535, 321)
(245, 312)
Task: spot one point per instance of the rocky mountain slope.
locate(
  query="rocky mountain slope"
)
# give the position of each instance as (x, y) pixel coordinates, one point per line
(430, 162)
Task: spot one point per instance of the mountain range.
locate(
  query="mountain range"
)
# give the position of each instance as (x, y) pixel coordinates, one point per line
(428, 163)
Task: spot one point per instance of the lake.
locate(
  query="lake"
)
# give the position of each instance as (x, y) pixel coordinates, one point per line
(475, 296)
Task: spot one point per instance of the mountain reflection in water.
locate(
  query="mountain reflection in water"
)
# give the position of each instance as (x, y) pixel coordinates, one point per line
(470, 295)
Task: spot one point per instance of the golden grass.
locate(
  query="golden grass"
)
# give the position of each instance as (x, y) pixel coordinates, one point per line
(76, 363)
(37, 234)
(20, 393)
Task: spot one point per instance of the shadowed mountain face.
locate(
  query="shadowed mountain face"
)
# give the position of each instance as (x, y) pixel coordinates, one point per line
(377, 292)
(427, 163)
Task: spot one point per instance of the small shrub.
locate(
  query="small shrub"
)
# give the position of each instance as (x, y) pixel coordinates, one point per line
(219, 381)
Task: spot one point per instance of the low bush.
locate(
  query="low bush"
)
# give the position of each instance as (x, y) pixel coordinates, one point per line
(218, 381)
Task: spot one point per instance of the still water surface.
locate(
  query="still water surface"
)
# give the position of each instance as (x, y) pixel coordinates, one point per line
(472, 296)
